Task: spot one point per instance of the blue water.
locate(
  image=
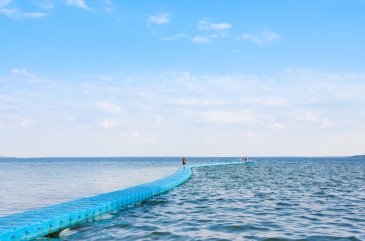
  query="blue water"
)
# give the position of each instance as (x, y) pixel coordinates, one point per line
(273, 199)
(37, 182)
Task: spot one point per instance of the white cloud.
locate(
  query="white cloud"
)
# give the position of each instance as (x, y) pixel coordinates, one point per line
(266, 101)
(272, 108)
(21, 71)
(161, 18)
(26, 124)
(159, 118)
(205, 25)
(183, 102)
(275, 125)
(327, 124)
(307, 117)
(4, 3)
(220, 26)
(131, 135)
(77, 3)
(313, 118)
(200, 39)
(197, 102)
(227, 117)
(7, 8)
(134, 136)
(32, 79)
(108, 124)
(3, 125)
(261, 38)
(109, 108)
(210, 32)
(249, 134)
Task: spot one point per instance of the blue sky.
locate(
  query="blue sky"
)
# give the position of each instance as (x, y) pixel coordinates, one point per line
(211, 78)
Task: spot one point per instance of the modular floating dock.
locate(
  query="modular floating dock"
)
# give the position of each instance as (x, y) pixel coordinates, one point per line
(44, 221)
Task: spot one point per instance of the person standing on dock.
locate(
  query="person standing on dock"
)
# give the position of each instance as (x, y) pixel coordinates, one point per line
(184, 162)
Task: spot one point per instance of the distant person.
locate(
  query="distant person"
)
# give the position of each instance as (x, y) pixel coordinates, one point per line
(184, 162)
(244, 159)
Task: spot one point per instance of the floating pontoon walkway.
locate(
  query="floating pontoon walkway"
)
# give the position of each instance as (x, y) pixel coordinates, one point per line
(44, 221)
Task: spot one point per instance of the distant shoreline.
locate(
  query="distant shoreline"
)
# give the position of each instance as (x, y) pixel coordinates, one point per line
(359, 156)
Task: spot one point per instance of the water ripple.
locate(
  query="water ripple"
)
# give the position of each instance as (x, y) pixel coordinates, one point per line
(282, 199)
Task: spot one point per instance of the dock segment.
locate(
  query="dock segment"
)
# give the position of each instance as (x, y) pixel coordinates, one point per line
(47, 220)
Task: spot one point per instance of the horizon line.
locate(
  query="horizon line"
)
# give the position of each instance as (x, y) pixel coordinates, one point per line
(179, 156)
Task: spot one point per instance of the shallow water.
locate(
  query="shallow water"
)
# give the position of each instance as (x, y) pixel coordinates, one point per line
(37, 182)
(274, 199)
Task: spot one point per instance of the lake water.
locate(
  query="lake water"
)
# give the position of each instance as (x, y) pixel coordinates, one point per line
(37, 182)
(273, 199)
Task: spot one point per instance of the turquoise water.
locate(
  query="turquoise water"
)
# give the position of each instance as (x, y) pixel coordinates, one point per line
(273, 199)
(37, 182)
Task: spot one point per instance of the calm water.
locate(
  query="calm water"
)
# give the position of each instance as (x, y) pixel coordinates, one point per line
(274, 199)
(37, 182)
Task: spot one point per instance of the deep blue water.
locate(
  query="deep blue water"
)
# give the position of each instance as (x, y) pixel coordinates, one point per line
(273, 199)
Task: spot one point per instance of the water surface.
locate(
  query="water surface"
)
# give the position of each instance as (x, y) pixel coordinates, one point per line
(37, 182)
(275, 199)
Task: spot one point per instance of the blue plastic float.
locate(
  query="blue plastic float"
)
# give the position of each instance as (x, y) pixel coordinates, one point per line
(52, 219)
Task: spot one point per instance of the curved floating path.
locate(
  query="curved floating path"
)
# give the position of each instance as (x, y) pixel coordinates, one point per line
(47, 220)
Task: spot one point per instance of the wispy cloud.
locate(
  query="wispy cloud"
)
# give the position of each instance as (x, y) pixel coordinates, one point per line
(77, 3)
(275, 125)
(176, 37)
(45, 4)
(161, 18)
(261, 38)
(9, 9)
(266, 101)
(3, 3)
(29, 78)
(205, 25)
(202, 39)
(314, 118)
(227, 117)
(109, 124)
(108, 6)
(136, 136)
(26, 123)
(198, 102)
(109, 108)
(275, 109)
(209, 32)
(21, 72)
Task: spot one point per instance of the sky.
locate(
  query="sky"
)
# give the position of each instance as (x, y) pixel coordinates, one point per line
(182, 78)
